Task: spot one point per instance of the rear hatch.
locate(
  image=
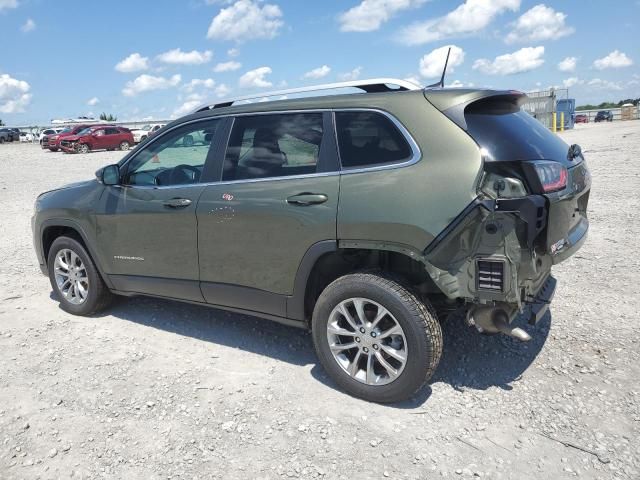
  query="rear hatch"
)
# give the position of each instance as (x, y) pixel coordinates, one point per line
(514, 143)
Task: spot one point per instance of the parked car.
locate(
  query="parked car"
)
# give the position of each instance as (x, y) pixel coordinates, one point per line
(5, 135)
(341, 214)
(604, 116)
(26, 137)
(98, 138)
(55, 139)
(46, 133)
(15, 134)
(582, 118)
(141, 134)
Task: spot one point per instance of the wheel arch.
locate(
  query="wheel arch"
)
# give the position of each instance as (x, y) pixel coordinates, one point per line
(54, 228)
(328, 260)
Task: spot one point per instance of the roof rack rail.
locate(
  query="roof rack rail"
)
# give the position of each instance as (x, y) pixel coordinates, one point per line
(373, 85)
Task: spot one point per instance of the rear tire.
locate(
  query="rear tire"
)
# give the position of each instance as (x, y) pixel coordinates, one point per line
(75, 279)
(124, 146)
(364, 359)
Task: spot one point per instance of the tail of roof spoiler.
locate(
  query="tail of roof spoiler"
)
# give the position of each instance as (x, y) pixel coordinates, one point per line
(454, 101)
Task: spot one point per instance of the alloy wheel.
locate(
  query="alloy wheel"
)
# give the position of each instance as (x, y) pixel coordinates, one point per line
(71, 276)
(367, 341)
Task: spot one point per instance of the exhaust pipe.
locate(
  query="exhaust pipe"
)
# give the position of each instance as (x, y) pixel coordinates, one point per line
(495, 320)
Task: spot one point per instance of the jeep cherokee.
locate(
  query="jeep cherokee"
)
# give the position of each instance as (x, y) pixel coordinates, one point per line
(365, 217)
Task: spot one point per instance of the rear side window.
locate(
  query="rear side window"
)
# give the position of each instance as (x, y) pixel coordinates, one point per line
(368, 139)
(278, 145)
(112, 131)
(511, 134)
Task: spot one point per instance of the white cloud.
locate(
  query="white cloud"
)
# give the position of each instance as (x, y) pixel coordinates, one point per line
(523, 60)
(187, 107)
(432, 64)
(571, 81)
(28, 26)
(133, 63)
(222, 90)
(194, 100)
(600, 84)
(459, 84)
(319, 72)
(255, 78)
(147, 83)
(415, 80)
(539, 23)
(7, 4)
(369, 15)
(93, 101)
(468, 18)
(178, 57)
(615, 59)
(14, 94)
(350, 76)
(246, 20)
(227, 66)
(233, 52)
(206, 83)
(568, 64)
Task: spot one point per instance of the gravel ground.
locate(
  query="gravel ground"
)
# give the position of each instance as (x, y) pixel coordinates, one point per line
(153, 389)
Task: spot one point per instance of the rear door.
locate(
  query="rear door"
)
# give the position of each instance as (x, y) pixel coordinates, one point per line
(147, 227)
(112, 138)
(278, 196)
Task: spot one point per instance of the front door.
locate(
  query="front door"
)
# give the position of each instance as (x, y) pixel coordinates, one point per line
(278, 196)
(147, 227)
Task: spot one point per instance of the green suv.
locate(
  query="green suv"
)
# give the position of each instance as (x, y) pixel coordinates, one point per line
(366, 217)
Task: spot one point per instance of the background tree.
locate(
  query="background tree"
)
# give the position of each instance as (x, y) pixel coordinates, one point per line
(108, 117)
(1, 124)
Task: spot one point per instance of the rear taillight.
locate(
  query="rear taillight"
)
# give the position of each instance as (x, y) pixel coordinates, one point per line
(553, 176)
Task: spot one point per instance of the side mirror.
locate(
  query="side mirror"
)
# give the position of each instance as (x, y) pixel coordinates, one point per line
(109, 175)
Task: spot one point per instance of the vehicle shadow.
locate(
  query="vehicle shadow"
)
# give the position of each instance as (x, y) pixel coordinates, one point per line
(469, 360)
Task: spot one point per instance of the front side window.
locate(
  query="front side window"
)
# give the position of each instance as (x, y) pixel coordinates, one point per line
(368, 139)
(278, 145)
(176, 158)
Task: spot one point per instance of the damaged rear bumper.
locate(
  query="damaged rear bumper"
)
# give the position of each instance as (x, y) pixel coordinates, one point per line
(500, 252)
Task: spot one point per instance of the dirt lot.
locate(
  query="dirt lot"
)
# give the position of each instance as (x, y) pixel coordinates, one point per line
(153, 389)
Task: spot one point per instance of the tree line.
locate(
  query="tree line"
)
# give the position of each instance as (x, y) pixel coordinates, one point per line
(605, 105)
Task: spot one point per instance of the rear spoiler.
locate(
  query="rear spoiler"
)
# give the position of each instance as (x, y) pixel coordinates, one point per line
(454, 101)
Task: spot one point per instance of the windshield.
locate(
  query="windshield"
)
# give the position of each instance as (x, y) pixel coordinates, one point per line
(146, 128)
(84, 131)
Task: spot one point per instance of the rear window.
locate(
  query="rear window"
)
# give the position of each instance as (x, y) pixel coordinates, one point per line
(510, 134)
(368, 139)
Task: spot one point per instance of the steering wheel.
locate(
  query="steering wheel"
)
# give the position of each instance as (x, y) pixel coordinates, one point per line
(180, 174)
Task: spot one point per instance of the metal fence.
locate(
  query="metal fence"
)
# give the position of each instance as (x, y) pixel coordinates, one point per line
(617, 113)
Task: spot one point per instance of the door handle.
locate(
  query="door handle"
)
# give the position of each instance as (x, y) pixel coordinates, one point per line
(177, 203)
(305, 199)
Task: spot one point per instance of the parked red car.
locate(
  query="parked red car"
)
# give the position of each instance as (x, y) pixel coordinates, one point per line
(582, 118)
(52, 142)
(98, 137)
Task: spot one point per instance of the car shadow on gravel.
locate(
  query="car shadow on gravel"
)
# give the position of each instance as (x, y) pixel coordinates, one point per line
(252, 334)
(469, 360)
(474, 361)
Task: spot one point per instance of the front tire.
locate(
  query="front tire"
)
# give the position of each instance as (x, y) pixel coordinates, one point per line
(75, 279)
(83, 148)
(124, 146)
(375, 338)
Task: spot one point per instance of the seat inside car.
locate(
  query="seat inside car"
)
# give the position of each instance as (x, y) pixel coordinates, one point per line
(265, 158)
